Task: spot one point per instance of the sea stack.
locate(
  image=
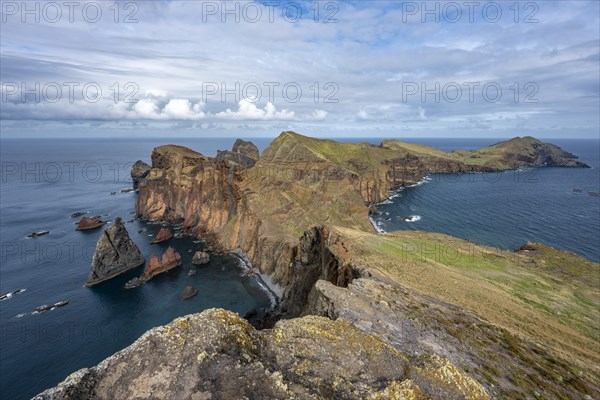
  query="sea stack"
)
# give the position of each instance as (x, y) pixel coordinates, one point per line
(169, 260)
(162, 235)
(115, 253)
(88, 223)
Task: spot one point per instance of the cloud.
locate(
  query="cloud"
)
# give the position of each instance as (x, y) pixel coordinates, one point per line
(249, 111)
(366, 56)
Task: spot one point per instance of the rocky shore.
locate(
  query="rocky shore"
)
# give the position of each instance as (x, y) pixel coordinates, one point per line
(362, 315)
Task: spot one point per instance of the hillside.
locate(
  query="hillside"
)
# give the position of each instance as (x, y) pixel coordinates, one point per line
(520, 152)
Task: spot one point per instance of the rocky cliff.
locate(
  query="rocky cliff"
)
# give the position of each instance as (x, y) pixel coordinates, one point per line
(454, 313)
(243, 153)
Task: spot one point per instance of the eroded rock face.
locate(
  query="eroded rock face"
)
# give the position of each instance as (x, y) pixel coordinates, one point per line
(243, 152)
(218, 355)
(169, 260)
(115, 253)
(163, 234)
(138, 172)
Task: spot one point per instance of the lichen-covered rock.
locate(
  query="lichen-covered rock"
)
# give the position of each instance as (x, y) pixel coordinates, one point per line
(115, 253)
(139, 171)
(217, 355)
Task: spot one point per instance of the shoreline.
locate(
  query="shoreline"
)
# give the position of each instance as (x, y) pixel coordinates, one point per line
(273, 291)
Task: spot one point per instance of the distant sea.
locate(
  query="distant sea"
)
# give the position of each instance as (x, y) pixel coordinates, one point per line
(553, 206)
(44, 181)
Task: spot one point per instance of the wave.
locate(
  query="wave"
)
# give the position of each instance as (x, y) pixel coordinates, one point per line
(377, 225)
(412, 218)
(246, 265)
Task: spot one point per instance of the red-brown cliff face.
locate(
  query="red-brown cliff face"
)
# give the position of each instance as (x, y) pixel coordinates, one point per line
(297, 184)
(266, 210)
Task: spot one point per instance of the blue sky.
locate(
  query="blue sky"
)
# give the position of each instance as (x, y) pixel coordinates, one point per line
(367, 68)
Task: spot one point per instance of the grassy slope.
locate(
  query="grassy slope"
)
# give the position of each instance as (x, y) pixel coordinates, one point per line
(550, 296)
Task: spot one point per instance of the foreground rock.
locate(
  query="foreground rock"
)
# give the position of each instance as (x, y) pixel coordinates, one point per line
(115, 253)
(88, 223)
(162, 235)
(188, 293)
(243, 153)
(218, 355)
(200, 258)
(169, 260)
(138, 172)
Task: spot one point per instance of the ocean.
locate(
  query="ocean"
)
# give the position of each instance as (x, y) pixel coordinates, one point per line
(552, 206)
(44, 181)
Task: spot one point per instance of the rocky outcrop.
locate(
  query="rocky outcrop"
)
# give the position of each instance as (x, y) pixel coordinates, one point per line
(163, 234)
(138, 172)
(218, 355)
(88, 223)
(243, 153)
(188, 293)
(200, 258)
(169, 260)
(115, 254)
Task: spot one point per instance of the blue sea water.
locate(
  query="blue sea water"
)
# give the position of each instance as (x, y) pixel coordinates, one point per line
(44, 181)
(506, 209)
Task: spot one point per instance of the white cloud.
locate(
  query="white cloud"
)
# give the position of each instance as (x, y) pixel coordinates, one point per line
(249, 111)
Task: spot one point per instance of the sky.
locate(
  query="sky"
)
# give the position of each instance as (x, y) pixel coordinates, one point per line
(322, 68)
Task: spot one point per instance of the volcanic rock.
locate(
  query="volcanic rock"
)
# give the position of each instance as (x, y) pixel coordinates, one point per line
(219, 355)
(115, 253)
(200, 258)
(243, 153)
(169, 260)
(138, 172)
(162, 235)
(88, 223)
(188, 293)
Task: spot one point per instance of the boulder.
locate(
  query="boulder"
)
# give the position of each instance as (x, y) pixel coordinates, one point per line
(162, 235)
(115, 254)
(87, 223)
(169, 260)
(200, 258)
(138, 172)
(188, 293)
